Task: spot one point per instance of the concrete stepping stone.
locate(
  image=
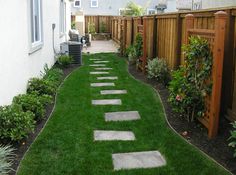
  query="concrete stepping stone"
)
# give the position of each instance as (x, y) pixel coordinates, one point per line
(122, 116)
(149, 159)
(103, 68)
(101, 84)
(109, 92)
(101, 62)
(95, 59)
(97, 73)
(107, 102)
(97, 65)
(107, 78)
(100, 135)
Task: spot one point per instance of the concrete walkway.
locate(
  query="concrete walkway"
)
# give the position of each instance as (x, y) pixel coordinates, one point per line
(101, 46)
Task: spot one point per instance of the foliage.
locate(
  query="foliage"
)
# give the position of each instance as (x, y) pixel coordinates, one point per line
(15, 123)
(133, 9)
(233, 138)
(91, 28)
(6, 158)
(102, 27)
(190, 84)
(54, 75)
(41, 87)
(33, 103)
(131, 54)
(158, 69)
(65, 60)
(138, 45)
(73, 26)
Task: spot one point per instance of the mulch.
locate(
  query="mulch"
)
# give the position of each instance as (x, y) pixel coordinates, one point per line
(22, 146)
(195, 133)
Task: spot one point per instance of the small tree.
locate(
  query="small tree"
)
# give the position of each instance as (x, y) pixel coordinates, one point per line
(133, 9)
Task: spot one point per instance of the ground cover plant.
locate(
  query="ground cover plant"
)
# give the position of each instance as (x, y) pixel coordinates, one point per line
(233, 138)
(66, 145)
(6, 158)
(191, 83)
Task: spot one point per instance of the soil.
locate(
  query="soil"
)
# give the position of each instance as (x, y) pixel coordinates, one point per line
(195, 133)
(22, 146)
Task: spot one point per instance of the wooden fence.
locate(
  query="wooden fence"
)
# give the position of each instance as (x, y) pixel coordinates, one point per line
(166, 33)
(99, 22)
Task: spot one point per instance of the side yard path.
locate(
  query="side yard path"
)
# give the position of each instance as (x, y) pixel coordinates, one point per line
(107, 123)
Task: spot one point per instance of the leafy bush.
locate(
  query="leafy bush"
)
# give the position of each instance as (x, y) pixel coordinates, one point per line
(53, 75)
(133, 9)
(91, 28)
(102, 27)
(158, 69)
(15, 123)
(41, 87)
(233, 138)
(138, 45)
(191, 83)
(6, 158)
(131, 54)
(65, 60)
(33, 103)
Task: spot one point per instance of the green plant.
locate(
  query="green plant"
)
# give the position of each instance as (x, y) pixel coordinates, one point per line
(6, 159)
(41, 87)
(133, 9)
(102, 27)
(130, 52)
(233, 138)
(91, 28)
(65, 60)
(33, 103)
(158, 69)
(73, 26)
(15, 123)
(138, 45)
(54, 75)
(190, 84)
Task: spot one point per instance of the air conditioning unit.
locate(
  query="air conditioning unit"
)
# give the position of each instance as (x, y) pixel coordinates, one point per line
(73, 49)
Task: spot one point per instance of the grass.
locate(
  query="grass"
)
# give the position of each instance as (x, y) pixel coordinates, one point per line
(66, 144)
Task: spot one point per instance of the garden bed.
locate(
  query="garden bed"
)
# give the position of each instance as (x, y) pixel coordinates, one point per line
(194, 132)
(22, 147)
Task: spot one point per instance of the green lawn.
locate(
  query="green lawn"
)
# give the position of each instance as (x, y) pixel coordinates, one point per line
(66, 144)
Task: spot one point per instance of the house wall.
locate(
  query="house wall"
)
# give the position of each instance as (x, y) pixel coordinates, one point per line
(217, 3)
(111, 7)
(17, 65)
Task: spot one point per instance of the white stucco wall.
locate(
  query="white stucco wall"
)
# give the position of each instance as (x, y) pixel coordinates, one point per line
(17, 66)
(217, 3)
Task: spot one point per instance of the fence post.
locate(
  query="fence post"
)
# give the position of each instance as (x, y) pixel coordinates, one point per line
(218, 55)
(189, 21)
(178, 39)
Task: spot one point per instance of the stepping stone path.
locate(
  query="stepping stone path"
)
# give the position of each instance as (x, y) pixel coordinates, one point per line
(101, 84)
(97, 73)
(133, 160)
(103, 68)
(122, 116)
(101, 62)
(109, 92)
(149, 159)
(113, 135)
(95, 59)
(97, 65)
(107, 78)
(107, 102)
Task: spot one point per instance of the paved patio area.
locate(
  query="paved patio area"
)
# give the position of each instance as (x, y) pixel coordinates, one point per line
(101, 46)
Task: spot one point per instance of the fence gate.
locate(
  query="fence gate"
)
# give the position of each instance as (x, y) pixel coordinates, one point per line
(216, 39)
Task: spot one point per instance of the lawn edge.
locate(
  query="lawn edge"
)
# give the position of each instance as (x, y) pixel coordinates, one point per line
(51, 113)
(166, 119)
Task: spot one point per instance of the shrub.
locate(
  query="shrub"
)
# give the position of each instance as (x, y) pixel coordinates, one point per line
(131, 54)
(158, 69)
(103, 27)
(6, 158)
(15, 123)
(54, 75)
(91, 28)
(65, 60)
(191, 83)
(233, 138)
(138, 45)
(41, 87)
(133, 9)
(33, 103)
